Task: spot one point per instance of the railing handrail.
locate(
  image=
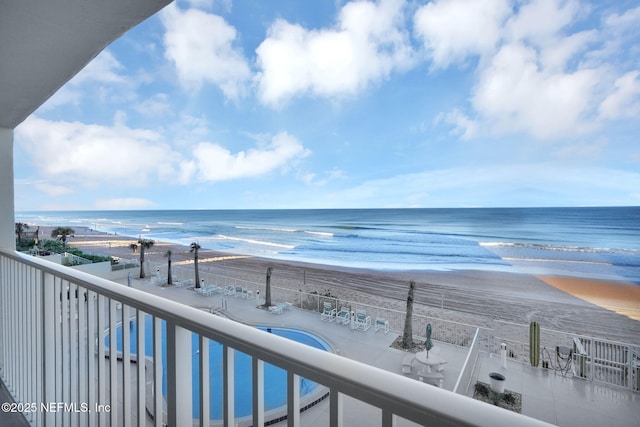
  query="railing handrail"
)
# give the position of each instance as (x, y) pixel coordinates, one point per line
(381, 388)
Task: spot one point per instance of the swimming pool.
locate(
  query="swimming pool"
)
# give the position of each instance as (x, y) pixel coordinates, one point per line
(275, 379)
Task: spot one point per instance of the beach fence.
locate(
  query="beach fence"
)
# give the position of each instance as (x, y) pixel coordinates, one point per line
(447, 331)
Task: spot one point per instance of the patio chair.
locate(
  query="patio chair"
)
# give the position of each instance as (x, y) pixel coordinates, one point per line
(230, 290)
(344, 316)
(382, 324)
(239, 292)
(362, 321)
(328, 313)
(188, 282)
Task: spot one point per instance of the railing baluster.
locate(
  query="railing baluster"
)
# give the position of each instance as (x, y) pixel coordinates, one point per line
(228, 387)
(37, 343)
(101, 305)
(205, 386)
(258, 391)
(49, 327)
(126, 366)
(179, 360)
(90, 380)
(73, 353)
(158, 416)
(113, 362)
(141, 365)
(335, 408)
(293, 399)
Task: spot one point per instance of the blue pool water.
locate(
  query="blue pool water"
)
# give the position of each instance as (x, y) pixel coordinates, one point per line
(275, 379)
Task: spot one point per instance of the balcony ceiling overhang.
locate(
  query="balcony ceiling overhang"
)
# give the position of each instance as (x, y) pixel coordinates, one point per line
(44, 43)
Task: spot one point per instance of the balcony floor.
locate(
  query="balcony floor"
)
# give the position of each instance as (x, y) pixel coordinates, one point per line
(547, 395)
(10, 419)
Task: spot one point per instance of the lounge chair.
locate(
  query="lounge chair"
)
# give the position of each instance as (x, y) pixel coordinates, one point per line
(209, 290)
(328, 313)
(362, 321)
(382, 324)
(344, 316)
(239, 292)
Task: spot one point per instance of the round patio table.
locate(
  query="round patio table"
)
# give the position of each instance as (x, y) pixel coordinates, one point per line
(431, 360)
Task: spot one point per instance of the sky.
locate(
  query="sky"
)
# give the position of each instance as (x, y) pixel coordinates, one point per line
(221, 104)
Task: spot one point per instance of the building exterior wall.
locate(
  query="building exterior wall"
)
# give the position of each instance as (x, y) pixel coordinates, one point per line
(7, 215)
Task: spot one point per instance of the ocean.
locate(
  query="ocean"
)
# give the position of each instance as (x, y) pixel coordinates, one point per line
(585, 242)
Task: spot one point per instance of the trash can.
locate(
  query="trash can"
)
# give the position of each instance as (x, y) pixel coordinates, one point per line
(497, 380)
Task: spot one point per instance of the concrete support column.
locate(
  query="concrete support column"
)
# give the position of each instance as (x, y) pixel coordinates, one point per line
(7, 214)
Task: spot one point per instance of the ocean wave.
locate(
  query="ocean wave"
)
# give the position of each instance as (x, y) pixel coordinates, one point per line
(283, 230)
(319, 233)
(560, 248)
(563, 261)
(254, 242)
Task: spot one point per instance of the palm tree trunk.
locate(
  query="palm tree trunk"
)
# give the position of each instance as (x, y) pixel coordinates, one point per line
(195, 260)
(142, 261)
(267, 290)
(407, 335)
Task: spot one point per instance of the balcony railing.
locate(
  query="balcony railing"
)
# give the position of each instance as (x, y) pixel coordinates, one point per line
(55, 362)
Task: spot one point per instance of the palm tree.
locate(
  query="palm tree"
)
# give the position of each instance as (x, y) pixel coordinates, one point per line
(267, 290)
(61, 233)
(195, 247)
(407, 335)
(142, 244)
(168, 255)
(20, 228)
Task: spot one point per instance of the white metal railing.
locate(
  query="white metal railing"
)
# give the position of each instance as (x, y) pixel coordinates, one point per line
(464, 379)
(53, 357)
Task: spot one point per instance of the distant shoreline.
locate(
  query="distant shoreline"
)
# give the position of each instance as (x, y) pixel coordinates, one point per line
(479, 297)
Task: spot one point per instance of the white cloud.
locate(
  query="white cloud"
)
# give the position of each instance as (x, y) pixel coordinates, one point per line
(93, 154)
(464, 126)
(366, 45)
(456, 29)
(130, 203)
(155, 106)
(515, 95)
(624, 100)
(212, 162)
(104, 68)
(535, 75)
(201, 45)
(540, 21)
(53, 190)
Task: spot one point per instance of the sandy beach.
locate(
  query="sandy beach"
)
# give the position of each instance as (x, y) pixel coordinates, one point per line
(606, 309)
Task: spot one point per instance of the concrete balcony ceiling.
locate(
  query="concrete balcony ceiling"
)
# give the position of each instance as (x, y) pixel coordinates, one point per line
(44, 43)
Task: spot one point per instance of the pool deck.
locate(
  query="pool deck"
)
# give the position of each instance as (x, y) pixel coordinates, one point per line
(546, 395)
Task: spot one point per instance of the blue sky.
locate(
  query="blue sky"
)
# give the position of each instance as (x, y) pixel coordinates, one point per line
(316, 104)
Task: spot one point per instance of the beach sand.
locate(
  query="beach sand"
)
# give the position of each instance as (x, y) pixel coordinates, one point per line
(591, 307)
(618, 296)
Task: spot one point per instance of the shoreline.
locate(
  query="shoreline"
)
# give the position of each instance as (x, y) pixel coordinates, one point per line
(609, 309)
